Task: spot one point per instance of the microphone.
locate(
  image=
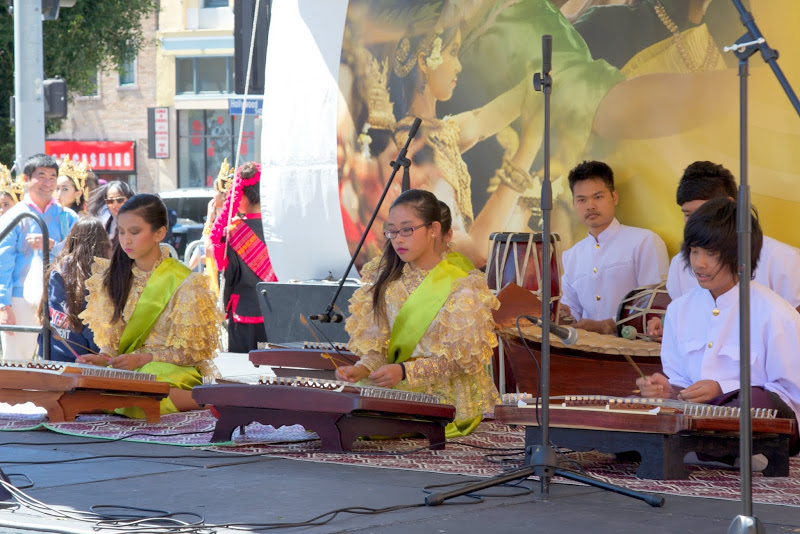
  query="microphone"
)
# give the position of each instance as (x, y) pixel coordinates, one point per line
(414, 128)
(547, 53)
(327, 318)
(566, 334)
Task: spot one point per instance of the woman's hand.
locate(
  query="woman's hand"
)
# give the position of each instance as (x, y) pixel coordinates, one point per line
(352, 373)
(130, 362)
(387, 376)
(93, 359)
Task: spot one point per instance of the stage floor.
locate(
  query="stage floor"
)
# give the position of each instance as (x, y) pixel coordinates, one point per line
(232, 488)
(228, 488)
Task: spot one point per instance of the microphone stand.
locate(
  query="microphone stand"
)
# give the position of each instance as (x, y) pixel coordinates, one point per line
(747, 45)
(401, 161)
(541, 459)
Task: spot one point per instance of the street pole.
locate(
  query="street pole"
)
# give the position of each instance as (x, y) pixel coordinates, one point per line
(28, 76)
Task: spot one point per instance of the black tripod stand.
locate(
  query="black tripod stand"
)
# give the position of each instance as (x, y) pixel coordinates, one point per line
(541, 459)
(747, 45)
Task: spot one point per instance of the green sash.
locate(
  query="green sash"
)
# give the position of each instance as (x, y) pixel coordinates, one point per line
(421, 308)
(155, 297)
(459, 260)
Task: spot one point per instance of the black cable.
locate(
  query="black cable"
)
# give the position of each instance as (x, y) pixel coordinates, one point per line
(152, 513)
(535, 361)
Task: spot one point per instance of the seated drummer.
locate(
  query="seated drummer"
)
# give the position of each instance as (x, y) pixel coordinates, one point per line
(612, 260)
(421, 322)
(700, 348)
(778, 264)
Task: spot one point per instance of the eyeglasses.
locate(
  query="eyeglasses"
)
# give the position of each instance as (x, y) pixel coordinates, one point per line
(116, 200)
(405, 232)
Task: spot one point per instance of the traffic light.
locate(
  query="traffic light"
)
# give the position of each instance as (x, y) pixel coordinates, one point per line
(50, 8)
(55, 98)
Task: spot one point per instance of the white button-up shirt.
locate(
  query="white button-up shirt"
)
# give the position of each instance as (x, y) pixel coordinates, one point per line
(599, 273)
(778, 269)
(701, 345)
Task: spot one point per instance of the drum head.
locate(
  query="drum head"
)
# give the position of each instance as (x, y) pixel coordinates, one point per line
(640, 305)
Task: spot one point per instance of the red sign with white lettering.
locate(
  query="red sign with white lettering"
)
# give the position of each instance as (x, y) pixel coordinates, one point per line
(117, 156)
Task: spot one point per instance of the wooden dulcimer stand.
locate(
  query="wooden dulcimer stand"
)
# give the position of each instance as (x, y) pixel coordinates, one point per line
(660, 431)
(338, 412)
(67, 389)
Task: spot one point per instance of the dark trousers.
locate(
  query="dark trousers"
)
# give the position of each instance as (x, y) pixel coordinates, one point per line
(244, 337)
(761, 398)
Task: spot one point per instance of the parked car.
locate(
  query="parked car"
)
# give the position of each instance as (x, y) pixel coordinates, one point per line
(191, 206)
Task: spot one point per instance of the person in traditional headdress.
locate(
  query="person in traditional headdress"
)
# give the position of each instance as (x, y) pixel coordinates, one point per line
(238, 246)
(11, 191)
(221, 187)
(71, 187)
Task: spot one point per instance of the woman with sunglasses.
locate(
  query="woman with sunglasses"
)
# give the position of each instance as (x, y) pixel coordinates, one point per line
(421, 322)
(116, 193)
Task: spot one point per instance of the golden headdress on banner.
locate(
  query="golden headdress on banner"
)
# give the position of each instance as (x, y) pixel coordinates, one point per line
(372, 78)
(10, 186)
(421, 17)
(78, 172)
(225, 177)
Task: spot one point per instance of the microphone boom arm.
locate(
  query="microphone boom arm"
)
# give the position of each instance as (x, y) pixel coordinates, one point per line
(401, 161)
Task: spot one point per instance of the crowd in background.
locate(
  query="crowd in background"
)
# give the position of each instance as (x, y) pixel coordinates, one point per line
(81, 212)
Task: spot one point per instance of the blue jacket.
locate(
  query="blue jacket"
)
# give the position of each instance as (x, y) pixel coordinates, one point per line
(15, 253)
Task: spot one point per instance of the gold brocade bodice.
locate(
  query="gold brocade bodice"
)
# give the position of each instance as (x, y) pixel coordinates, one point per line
(186, 332)
(451, 357)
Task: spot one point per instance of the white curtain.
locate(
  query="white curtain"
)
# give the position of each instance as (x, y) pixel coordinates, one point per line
(299, 183)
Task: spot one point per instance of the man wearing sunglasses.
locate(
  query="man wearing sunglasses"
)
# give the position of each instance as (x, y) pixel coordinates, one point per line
(21, 245)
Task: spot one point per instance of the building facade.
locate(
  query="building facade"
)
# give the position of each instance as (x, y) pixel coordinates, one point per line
(186, 72)
(109, 128)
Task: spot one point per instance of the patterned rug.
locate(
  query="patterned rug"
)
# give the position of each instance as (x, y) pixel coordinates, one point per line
(465, 456)
(188, 429)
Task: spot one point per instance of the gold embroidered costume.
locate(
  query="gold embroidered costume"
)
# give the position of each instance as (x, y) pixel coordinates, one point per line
(185, 334)
(450, 359)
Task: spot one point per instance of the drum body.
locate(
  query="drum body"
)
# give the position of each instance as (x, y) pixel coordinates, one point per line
(640, 305)
(517, 258)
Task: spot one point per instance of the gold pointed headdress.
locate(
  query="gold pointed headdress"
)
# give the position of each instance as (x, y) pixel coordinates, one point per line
(78, 172)
(224, 178)
(8, 185)
(373, 75)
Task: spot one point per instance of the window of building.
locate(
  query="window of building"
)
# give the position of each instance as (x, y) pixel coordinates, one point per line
(127, 73)
(94, 92)
(215, 3)
(205, 138)
(204, 75)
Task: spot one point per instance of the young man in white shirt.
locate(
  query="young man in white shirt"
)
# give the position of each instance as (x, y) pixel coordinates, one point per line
(778, 264)
(613, 259)
(700, 347)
